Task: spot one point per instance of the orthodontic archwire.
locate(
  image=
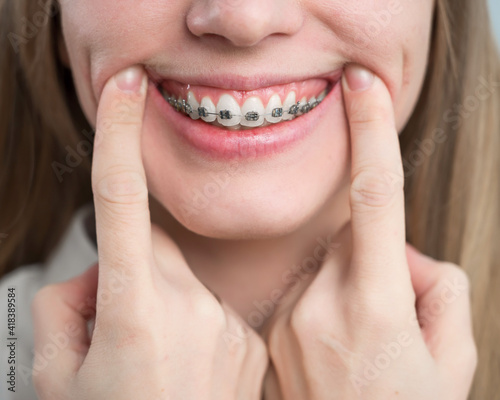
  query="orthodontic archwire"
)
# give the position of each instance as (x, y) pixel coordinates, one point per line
(186, 108)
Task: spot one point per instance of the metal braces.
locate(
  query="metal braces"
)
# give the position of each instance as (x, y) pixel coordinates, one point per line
(186, 108)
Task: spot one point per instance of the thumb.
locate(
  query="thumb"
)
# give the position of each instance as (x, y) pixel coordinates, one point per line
(60, 313)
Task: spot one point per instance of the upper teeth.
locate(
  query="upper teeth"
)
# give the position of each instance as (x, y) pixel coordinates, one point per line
(252, 114)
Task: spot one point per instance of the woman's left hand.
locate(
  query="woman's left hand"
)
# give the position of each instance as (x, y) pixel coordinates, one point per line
(379, 320)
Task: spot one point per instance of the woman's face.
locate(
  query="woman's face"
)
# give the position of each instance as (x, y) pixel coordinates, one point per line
(266, 181)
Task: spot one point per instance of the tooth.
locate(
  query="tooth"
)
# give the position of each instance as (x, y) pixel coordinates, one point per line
(252, 105)
(169, 98)
(191, 100)
(322, 95)
(274, 103)
(312, 102)
(178, 105)
(164, 93)
(289, 101)
(228, 111)
(303, 101)
(209, 106)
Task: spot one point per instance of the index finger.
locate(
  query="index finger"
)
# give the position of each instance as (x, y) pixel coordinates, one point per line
(123, 222)
(377, 180)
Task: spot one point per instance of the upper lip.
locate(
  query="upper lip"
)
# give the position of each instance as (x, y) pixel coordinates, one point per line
(232, 81)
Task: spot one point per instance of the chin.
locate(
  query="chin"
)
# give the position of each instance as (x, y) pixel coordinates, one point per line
(252, 222)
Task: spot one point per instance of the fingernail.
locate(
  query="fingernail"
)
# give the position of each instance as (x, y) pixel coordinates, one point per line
(358, 78)
(130, 79)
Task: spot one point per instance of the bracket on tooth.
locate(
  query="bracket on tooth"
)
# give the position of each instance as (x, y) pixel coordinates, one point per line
(186, 107)
(315, 104)
(278, 112)
(294, 109)
(202, 112)
(225, 114)
(252, 116)
(305, 108)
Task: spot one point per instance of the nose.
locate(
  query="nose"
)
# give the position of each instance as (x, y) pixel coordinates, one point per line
(244, 23)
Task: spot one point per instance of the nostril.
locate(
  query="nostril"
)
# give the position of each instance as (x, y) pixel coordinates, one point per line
(214, 39)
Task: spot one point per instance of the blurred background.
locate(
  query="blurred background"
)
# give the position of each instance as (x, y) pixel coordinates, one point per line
(495, 16)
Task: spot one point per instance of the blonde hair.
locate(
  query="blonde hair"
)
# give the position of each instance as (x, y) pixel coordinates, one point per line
(450, 150)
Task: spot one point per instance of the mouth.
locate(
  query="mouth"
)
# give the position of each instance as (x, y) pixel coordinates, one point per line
(230, 123)
(244, 110)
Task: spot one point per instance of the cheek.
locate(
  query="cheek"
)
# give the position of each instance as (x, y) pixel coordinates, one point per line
(103, 36)
(397, 39)
(391, 37)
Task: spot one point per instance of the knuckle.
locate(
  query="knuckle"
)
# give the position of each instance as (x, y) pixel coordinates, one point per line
(374, 188)
(370, 312)
(455, 278)
(205, 307)
(124, 113)
(242, 342)
(125, 328)
(259, 355)
(363, 121)
(379, 319)
(258, 346)
(365, 116)
(125, 312)
(43, 298)
(466, 358)
(457, 272)
(124, 124)
(117, 125)
(306, 320)
(121, 187)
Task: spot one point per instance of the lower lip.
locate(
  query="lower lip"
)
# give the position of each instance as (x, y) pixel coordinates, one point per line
(226, 144)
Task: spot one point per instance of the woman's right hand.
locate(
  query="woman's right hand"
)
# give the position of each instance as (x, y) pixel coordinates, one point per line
(159, 332)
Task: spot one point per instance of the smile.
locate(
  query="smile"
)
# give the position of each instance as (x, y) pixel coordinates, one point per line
(266, 115)
(242, 110)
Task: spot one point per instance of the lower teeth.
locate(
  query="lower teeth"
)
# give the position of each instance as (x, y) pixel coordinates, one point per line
(295, 111)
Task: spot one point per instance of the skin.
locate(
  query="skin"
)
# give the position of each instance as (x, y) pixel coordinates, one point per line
(333, 318)
(259, 233)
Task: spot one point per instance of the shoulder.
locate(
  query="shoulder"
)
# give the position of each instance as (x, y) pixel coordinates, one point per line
(73, 255)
